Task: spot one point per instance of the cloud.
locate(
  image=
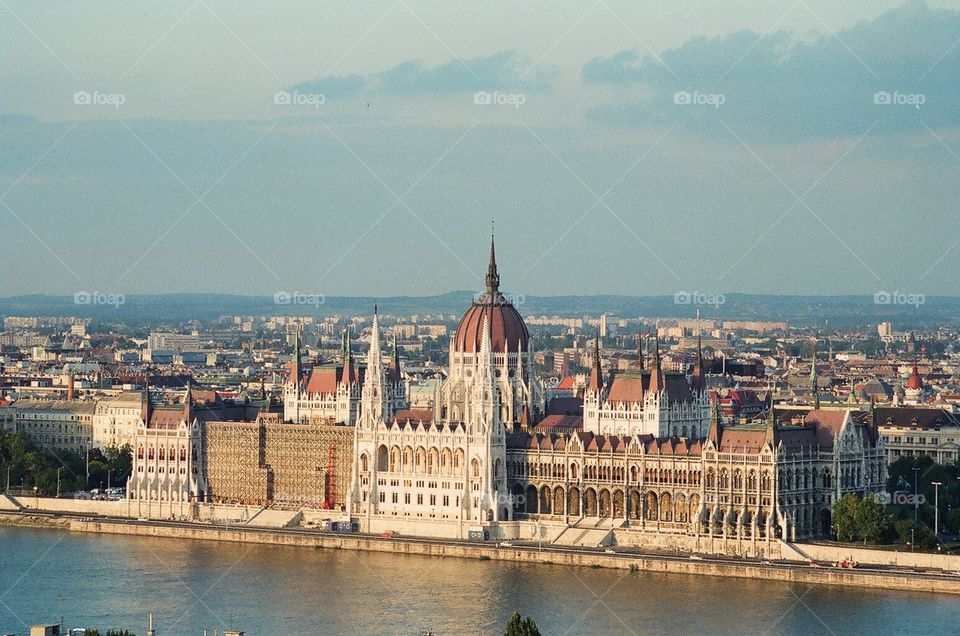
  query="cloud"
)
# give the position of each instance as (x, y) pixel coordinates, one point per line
(622, 67)
(333, 86)
(900, 70)
(504, 71)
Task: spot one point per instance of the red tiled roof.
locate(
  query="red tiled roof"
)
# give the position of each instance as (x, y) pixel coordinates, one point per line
(742, 441)
(828, 424)
(627, 387)
(414, 415)
(165, 418)
(559, 423)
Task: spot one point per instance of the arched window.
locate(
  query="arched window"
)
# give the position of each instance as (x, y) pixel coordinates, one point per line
(383, 458)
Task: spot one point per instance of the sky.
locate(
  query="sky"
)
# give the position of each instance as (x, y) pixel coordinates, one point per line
(365, 148)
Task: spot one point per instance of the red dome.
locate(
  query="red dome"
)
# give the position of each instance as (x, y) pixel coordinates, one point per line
(507, 328)
(914, 381)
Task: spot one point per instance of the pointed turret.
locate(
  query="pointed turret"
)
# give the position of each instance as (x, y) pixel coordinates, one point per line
(373, 403)
(145, 411)
(349, 373)
(914, 381)
(713, 432)
(700, 381)
(374, 359)
(596, 373)
(656, 376)
(188, 401)
(814, 386)
(640, 348)
(396, 356)
(493, 278)
(485, 359)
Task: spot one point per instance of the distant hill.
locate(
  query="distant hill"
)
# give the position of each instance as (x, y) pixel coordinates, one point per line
(827, 311)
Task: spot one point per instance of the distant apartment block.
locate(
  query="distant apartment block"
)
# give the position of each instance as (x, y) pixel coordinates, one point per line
(919, 431)
(169, 341)
(62, 425)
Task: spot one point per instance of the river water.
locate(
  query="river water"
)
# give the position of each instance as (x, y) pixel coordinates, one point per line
(116, 581)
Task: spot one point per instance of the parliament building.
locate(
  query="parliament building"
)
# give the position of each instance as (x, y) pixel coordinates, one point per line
(649, 463)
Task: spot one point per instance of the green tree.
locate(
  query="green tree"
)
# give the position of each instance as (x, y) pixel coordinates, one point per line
(844, 517)
(921, 536)
(518, 626)
(953, 520)
(869, 520)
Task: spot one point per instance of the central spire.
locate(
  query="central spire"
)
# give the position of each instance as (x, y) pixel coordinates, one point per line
(493, 278)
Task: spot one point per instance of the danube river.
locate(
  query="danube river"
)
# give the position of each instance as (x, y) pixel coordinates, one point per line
(116, 581)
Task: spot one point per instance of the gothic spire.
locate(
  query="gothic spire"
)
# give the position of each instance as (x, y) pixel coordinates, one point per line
(640, 348)
(297, 370)
(145, 411)
(701, 376)
(188, 399)
(493, 278)
(373, 355)
(396, 355)
(656, 377)
(596, 373)
(814, 386)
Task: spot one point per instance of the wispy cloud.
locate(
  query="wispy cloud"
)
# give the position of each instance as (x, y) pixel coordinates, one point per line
(501, 71)
(901, 69)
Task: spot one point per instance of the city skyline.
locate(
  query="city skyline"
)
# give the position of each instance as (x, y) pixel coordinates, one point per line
(786, 149)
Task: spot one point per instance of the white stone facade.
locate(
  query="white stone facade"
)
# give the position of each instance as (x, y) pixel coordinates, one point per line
(449, 473)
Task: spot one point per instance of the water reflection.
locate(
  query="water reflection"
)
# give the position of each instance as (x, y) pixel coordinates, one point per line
(115, 581)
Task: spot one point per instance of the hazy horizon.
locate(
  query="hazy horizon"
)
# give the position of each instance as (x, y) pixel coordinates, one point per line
(792, 148)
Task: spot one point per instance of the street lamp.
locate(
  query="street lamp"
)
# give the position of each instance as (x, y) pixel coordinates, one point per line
(916, 500)
(936, 508)
(58, 481)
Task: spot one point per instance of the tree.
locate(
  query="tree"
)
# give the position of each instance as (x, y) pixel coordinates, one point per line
(921, 536)
(860, 519)
(844, 517)
(518, 626)
(869, 520)
(953, 520)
